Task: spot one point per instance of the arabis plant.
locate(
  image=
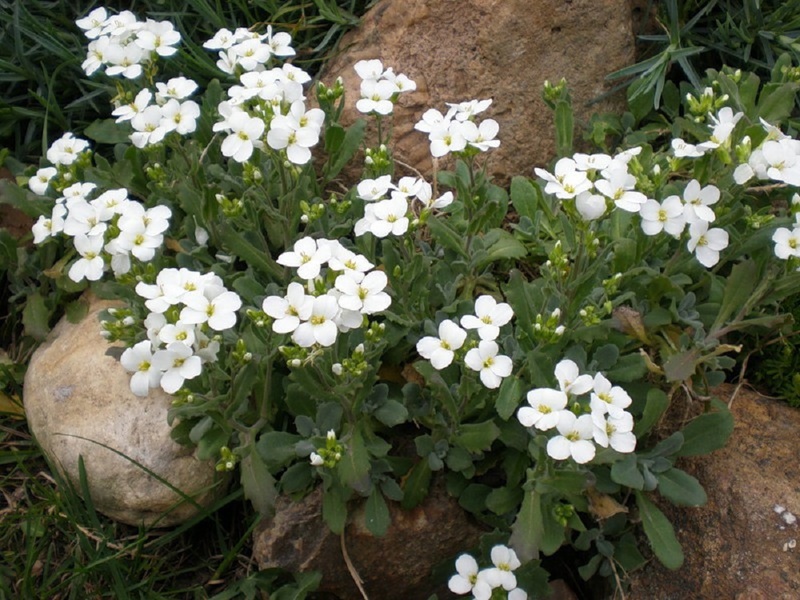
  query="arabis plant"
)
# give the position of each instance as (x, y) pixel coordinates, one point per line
(372, 335)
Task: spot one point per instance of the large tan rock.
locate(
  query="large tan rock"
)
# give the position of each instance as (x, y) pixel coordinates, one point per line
(458, 50)
(78, 403)
(739, 545)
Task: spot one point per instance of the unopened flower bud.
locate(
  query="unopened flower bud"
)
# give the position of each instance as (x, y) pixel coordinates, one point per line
(336, 368)
(295, 363)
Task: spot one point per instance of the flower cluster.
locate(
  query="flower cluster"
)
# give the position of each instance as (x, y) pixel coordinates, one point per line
(318, 316)
(390, 216)
(64, 155)
(489, 317)
(122, 44)
(154, 115)
(607, 423)
(246, 50)
(105, 230)
(456, 130)
(267, 105)
(329, 455)
(481, 583)
(380, 87)
(184, 305)
(598, 183)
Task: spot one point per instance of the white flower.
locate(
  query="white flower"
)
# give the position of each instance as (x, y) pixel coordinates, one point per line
(169, 333)
(296, 132)
(178, 88)
(781, 159)
(390, 217)
(574, 439)
(366, 296)
(665, 216)
(446, 140)
(546, 406)
(245, 136)
(590, 206)
(619, 186)
(608, 398)
(316, 460)
(441, 351)
(93, 23)
(570, 380)
(505, 563)
(126, 112)
(320, 328)
(147, 127)
(46, 227)
(566, 181)
(90, 265)
(683, 149)
(724, 122)
(178, 364)
(288, 312)
(307, 256)
(376, 97)
(467, 575)
(179, 116)
(616, 431)
(491, 366)
(39, 183)
(369, 69)
(159, 37)
(139, 361)
(483, 136)
(698, 202)
(591, 162)
(374, 189)
(706, 243)
(489, 317)
(465, 111)
(787, 243)
(218, 310)
(66, 149)
(351, 264)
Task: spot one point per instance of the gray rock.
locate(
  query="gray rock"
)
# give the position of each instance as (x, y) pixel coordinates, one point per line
(78, 403)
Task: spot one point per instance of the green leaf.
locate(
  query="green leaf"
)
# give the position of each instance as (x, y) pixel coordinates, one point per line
(77, 310)
(415, 485)
(525, 198)
(626, 472)
(277, 448)
(376, 513)
(739, 287)
(391, 413)
(334, 508)
(565, 128)
(477, 436)
(681, 488)
(236, 243)
(509, 397)
(680, 367)
(708, 432)
(348, 147)
(776, 101)
(446, 236)
(504, 246)
(659, 531)
(107, 131)
(503, 500)
(656, 405)
(258, 483)
(354, 466)
(36, 317)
